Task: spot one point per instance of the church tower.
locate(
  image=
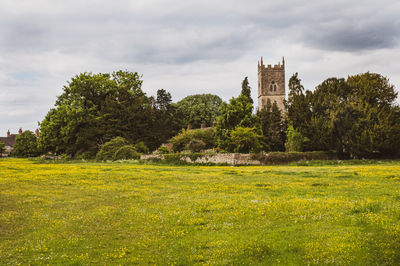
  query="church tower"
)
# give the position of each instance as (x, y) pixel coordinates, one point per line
(271, 84)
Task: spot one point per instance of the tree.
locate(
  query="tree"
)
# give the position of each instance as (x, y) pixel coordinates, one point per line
(295, 140)
(2, 148)
(197, 109)
(95, 108)
(299, 108)
(246, 139)
(26, 145)
(237, 113)
(246, 90)
(165, 122)
(356, 116)
(273, 127)
(375, 128)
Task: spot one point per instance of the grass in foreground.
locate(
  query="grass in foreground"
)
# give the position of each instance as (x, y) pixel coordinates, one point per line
(156, 214)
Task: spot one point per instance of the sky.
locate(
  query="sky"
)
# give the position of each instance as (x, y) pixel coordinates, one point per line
(186, 47)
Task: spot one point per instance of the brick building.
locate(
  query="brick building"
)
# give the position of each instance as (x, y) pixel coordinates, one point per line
(10, 140)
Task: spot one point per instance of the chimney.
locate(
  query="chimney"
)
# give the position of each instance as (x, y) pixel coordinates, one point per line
(214, 123)
(203, 125)
(20, 131)
(37, 133)
(189, 127)
(8, 133)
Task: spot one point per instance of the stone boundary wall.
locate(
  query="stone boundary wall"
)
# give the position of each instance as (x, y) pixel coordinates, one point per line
(245, 159)
(218, 158)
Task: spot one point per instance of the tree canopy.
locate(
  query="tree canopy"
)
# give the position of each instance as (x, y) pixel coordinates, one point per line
(356, 117)
(25, 145)
(196, 109)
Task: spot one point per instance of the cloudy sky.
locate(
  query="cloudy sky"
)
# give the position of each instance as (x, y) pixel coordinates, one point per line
(186, 47)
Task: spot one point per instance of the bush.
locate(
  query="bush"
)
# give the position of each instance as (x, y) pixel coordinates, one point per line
(295, 140)
(245, 139)
(196, 145)
(163, 150)
(182, 140)
(141, 148)
(108, 150)
(127, 152)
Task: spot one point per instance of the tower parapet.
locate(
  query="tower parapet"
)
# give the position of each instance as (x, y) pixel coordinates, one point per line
(271, 84)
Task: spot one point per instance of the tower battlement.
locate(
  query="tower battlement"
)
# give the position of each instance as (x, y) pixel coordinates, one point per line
(271, 84)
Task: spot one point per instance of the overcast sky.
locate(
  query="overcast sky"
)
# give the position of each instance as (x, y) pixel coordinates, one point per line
(186, 47)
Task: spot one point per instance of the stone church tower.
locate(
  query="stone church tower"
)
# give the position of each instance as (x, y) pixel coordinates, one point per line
(271, 84)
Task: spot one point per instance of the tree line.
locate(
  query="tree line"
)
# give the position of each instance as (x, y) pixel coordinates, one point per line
(355, 117)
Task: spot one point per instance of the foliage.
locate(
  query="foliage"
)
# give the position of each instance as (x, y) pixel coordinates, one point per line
(245, 139)
(356, 117)
(246, 90)
(238, 112)
(295, 140)
(108, 150)
(197, 109)
(140, 147)
(166, 124)
(68, 214)
(26, 145)
(127, 152)
(163, 150)
(273, 127)
(2, 148)
(95, 108)
(299, 107)
(183, 139)
(196, 145)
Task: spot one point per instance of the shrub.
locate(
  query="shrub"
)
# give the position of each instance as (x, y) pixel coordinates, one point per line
(196, 145)
(182, 140)
(127, 152)
(295, 140)
(141, 148)
(245, 139)
(108, 150)
(163, 150)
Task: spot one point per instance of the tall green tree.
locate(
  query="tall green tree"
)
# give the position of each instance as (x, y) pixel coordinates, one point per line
(165, 121)
(299, 107)
(246, 90)
(197, 109)
(357, 116)
(93, 109)
(273, 127)
(25, 145)
(238, 112)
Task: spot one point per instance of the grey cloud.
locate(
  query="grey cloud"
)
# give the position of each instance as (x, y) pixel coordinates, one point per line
(168, 40)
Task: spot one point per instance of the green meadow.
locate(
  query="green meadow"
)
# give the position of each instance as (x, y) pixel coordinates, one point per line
(131, 213)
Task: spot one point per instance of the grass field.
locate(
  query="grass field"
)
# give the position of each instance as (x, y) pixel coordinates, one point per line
(113, 213)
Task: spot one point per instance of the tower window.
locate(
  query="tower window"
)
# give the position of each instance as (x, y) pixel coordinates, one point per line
(272, 87)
